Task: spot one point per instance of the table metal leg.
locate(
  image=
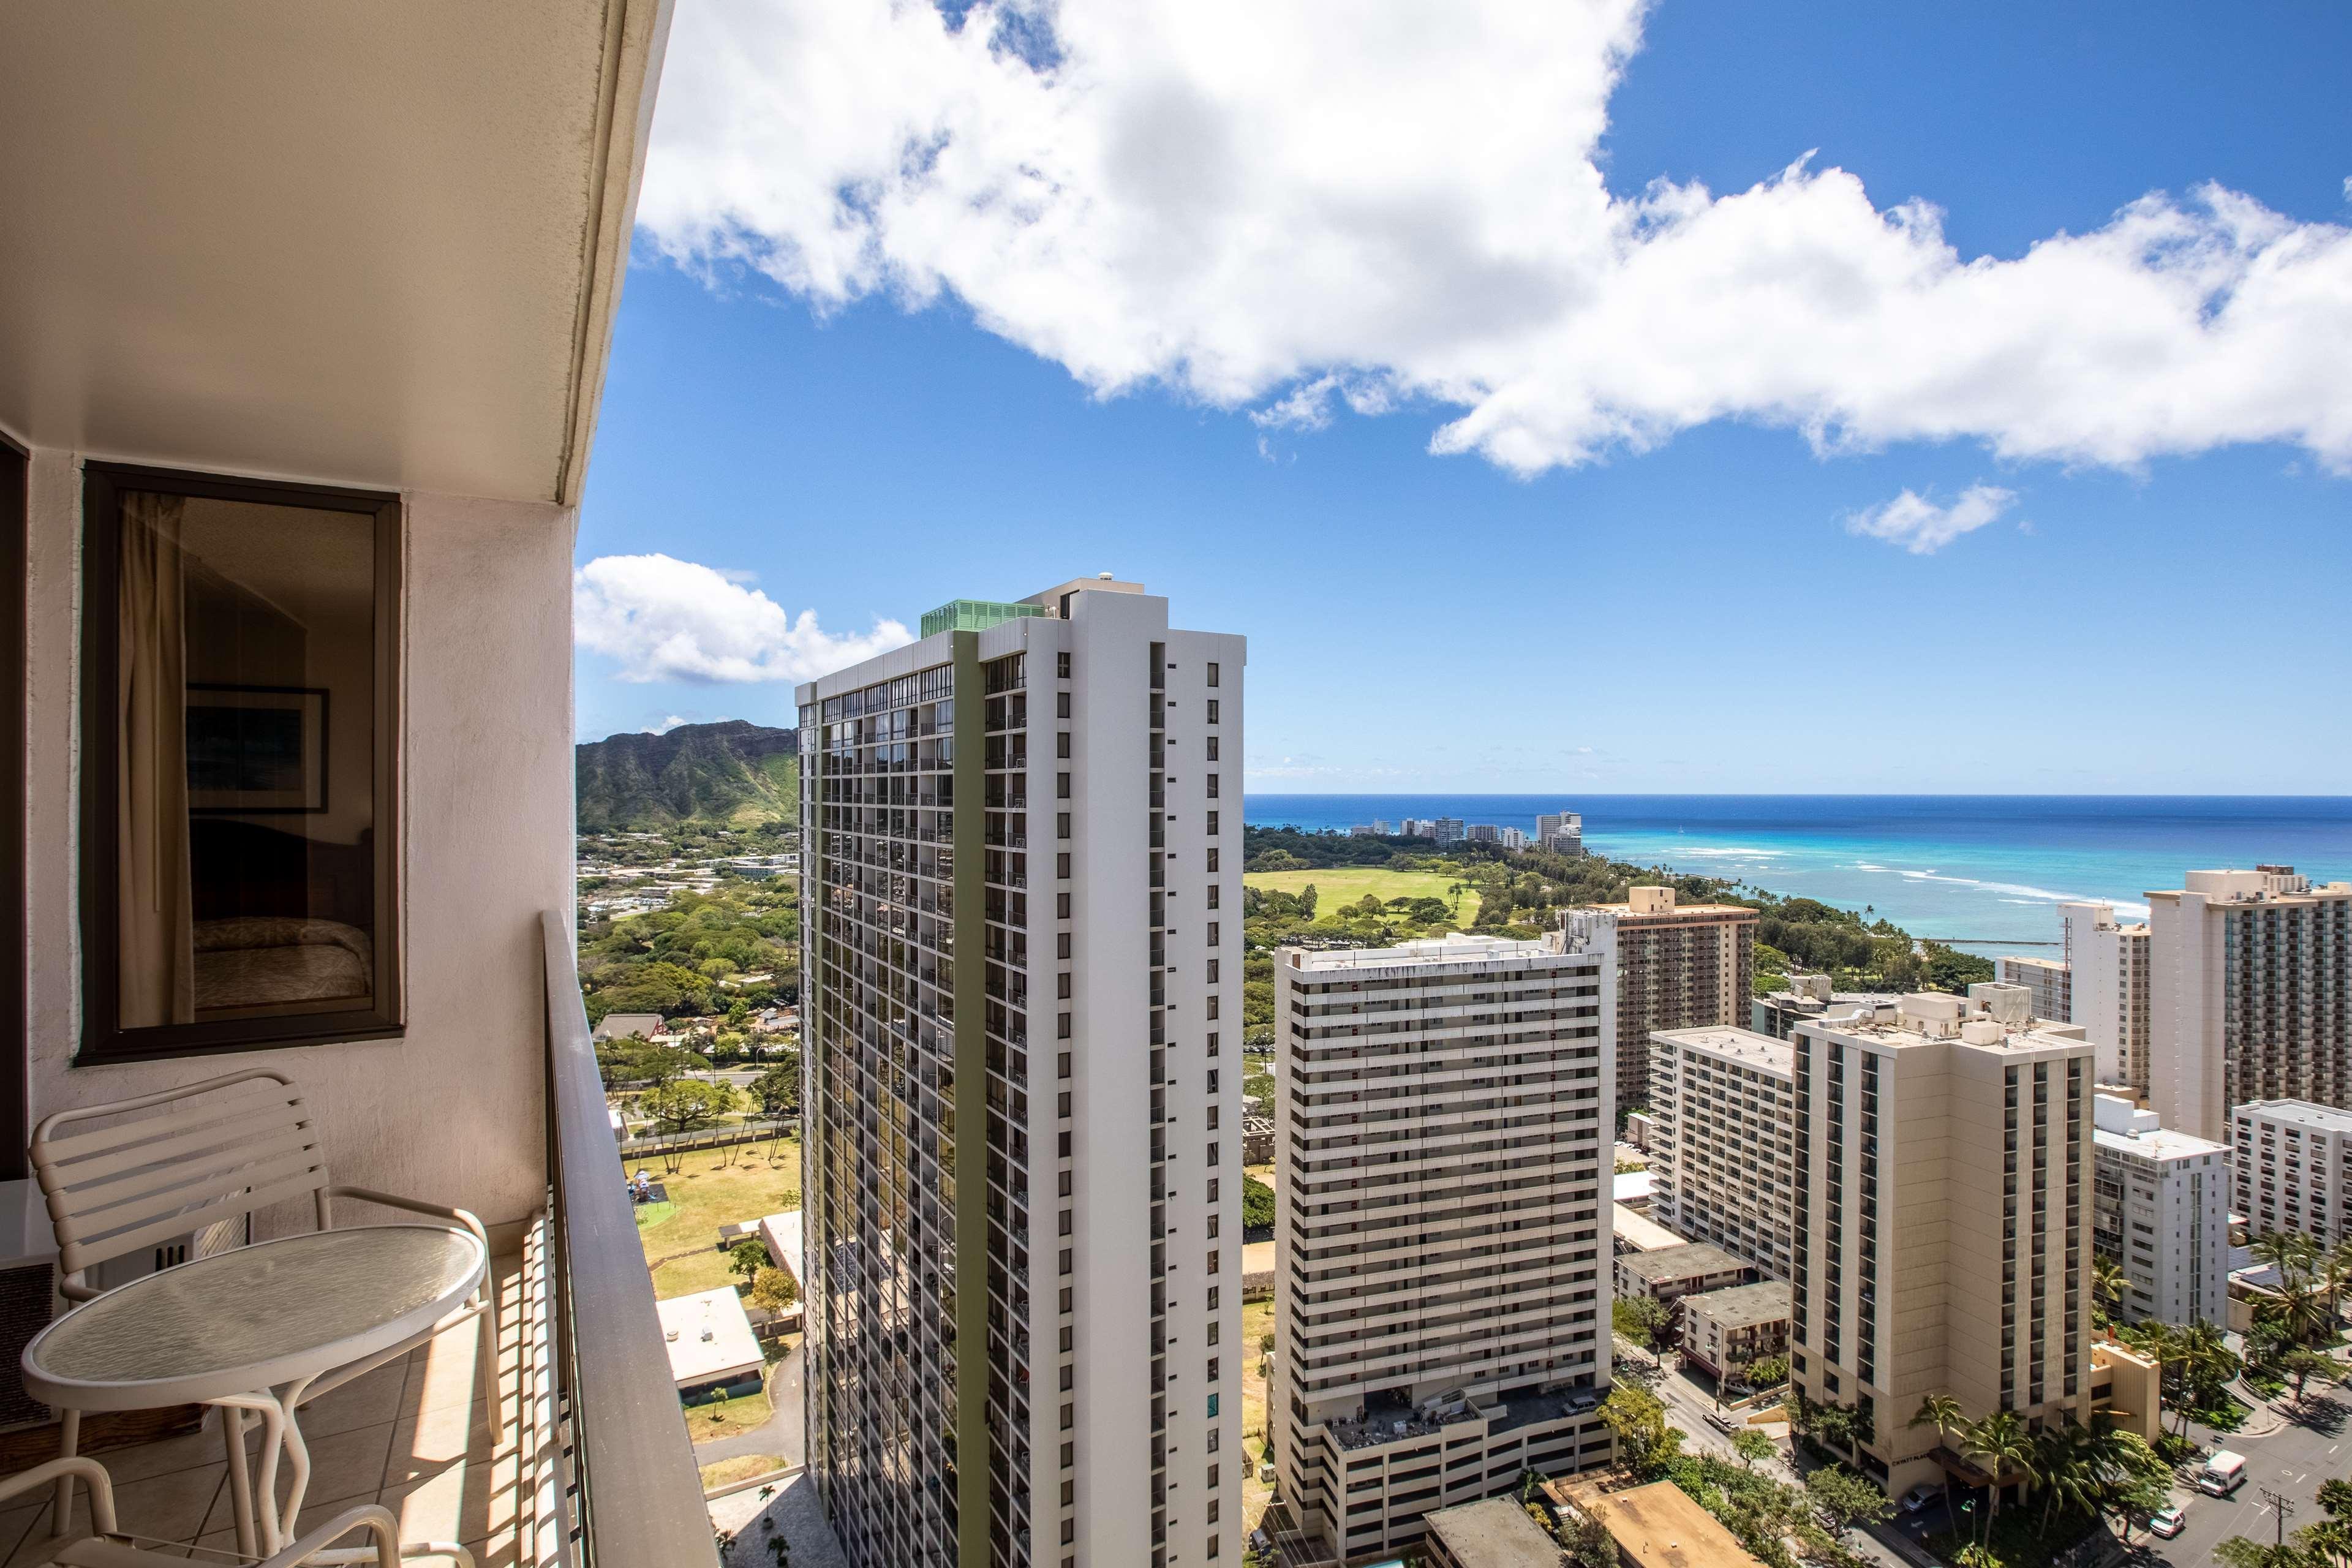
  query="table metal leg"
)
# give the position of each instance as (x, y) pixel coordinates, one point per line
(289, 1395)
(240, 1479)
(274, 1423)
(68, 1444)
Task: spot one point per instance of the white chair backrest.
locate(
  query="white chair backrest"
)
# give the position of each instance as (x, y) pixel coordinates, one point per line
(170, 1163)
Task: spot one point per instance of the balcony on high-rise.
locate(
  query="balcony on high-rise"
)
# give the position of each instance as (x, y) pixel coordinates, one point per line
(304, 314)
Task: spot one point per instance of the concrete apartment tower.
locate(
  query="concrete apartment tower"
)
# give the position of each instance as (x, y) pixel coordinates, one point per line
(1943, 1240)
(2107, 961)
(1723, 1152)
(2160, 1207)
(2294, 1168)
(2250, 995)
(1022, 1002)
(2051, 981)
(1677, 967)
(1441, 1240)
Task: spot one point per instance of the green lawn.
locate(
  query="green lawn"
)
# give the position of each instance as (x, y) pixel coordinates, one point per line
(703, 1196)
(1334, 888)
(1257, 1320)
(728, 1418)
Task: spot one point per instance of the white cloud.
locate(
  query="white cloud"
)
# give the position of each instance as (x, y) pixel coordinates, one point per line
(665, 619)
(1263, 203)
(1922, 527)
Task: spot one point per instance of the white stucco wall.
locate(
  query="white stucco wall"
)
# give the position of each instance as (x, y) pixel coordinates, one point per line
(452, 1112)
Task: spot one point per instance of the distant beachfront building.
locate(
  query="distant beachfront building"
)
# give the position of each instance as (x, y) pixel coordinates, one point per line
(1560, 833)
(2250, 995)
(2107, 962)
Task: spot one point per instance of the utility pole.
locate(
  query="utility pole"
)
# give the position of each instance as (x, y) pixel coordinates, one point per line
(2278, 1501)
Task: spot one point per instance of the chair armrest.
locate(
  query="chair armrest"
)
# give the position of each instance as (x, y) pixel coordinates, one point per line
(375, 1518)
(87, 1470)
(386, 1200)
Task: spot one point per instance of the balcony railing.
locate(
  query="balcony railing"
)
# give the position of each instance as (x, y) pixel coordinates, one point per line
(633, 1494)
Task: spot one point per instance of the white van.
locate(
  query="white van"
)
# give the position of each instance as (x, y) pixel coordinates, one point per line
(2224, 1473)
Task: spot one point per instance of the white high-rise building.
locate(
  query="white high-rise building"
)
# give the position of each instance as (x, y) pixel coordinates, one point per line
(1022, 1028)
(2294, 1168)
(2108, 963)
(2250, 995)
(2161, 1208)
(1443, 1241)
(1723, 1152)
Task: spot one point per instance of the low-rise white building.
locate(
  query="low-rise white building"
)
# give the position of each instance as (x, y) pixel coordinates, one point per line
(712, 1349)
(2294, 1168)
(2160, 1207)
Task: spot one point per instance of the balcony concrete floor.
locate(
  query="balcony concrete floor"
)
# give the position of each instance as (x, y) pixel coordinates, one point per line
(413, 1435)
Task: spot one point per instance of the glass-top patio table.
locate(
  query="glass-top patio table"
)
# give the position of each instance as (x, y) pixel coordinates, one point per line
(250, 1330)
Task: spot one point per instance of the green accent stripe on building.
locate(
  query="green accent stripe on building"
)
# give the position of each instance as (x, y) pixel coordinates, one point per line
(970, 972)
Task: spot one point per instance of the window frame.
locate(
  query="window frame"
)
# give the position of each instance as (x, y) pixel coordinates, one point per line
(103, 1040)
(15, 570)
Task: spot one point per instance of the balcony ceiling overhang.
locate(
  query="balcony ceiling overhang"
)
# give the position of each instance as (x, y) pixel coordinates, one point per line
(368, 242)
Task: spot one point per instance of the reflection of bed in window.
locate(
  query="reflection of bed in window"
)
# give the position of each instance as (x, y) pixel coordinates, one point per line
(280, 920)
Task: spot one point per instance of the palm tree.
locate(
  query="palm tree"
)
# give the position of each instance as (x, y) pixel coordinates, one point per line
(1943, 1411)
(2302, 1305)
(2208, 1363)
(2108, 1283)
(2000, 1440)
(2161, 1342)
(2069, 1459)
(2335, 1268)
(2285, 1250)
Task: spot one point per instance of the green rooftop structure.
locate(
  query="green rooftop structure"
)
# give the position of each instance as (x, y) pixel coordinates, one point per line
(975, 615)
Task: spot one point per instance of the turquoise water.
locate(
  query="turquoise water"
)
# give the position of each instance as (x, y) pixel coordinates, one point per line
(1986, 872)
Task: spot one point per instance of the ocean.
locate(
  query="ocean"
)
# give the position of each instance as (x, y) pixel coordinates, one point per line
(1983, 872)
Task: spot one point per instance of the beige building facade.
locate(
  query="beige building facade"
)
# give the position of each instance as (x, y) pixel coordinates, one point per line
(1724, 1148)
(1677, 966)
(1943, 1238)
(1443, 1235)
(2250, 995)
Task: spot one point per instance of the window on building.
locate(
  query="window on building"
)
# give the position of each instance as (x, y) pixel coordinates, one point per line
(15, 539)
(240, 682)
(1213, 673)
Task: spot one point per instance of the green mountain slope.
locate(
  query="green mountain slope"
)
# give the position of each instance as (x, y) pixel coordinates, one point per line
(736, 773)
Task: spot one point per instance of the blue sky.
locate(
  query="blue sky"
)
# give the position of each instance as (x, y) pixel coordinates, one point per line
(1681, 592)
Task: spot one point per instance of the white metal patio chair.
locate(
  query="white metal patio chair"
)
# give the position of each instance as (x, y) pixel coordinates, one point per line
(108, 1547)
(198, 1161)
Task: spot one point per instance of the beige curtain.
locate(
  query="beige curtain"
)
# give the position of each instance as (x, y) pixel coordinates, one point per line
(157, 960)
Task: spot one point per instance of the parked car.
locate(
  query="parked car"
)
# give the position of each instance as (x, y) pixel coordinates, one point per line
(1920, 1495)
(2168, 1522)
(1722, 1423)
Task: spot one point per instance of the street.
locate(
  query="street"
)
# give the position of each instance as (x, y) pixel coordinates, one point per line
(1689, 1401)
(2292, 1460)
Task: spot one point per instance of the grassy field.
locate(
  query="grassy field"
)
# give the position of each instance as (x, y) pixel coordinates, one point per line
(1334, 888)
(1257, 1321)
(728, 1418)
(742, 1467)
(702, 1197)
